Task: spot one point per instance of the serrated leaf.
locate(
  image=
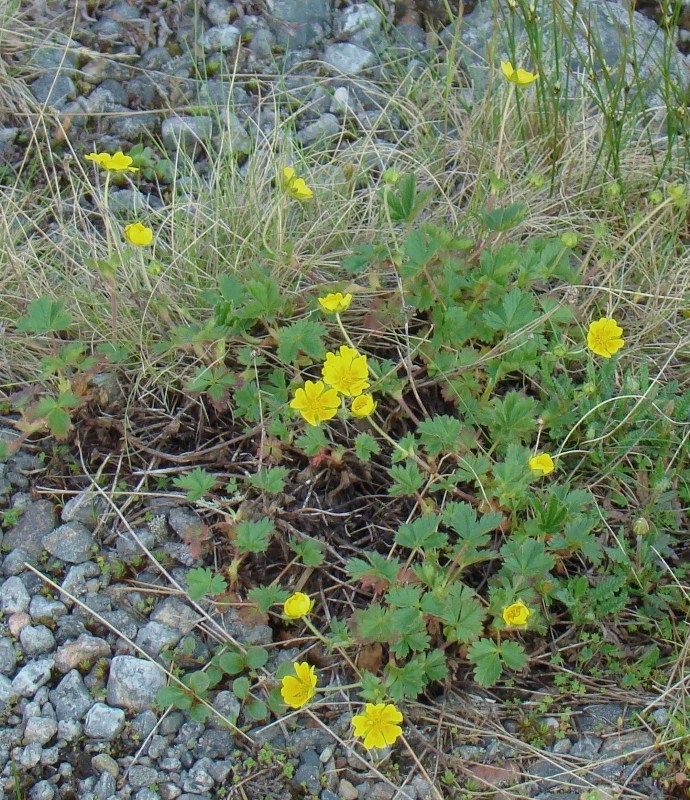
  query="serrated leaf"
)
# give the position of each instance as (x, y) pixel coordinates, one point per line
(302, 336)
(253, 536)
(309, 552)
(45, 316)
(196, 483)
(407, 681)
(503, 219)
(411, 632)
(271, 480)
(202, 581)
(422, 533)
(485, 656)
(513, 655)
(407, 480)
(374, 624)
(266, 596)
(366, 447)
(439, 433)
(463, 615)
(526, 558)
(517, 309)
(435, 665)
(404, 596)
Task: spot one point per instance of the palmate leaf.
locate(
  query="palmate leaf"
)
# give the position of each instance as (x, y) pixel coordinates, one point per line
(196, 483)
(516, 310)
(421, 533)
(45, 316)
(302, 336)
(407, 681)
(463, 615)
(374, 624)
(407, 480)
(439, 434)
(253, 536)
(409, 624)
(526, 558)
(473, 532)
(378, 572)
(484, 654)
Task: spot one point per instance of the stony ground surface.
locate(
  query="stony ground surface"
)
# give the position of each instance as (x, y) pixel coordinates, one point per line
(78, 717)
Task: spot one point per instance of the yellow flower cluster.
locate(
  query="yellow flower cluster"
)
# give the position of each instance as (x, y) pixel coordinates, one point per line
(346, 373)
(378, 725)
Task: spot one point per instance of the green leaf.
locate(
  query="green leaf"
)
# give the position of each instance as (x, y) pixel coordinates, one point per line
(266, 596)
(503, 219)
(422, 533)
(312, 441)
(196, 483)
(379, 571)
(510, 418)
(253, 536)
(374, 624)
(463, 615)
(435, 665)
(45, 316)
(198, 682)
(366, 447)
(409, 624)
(373, 690)
(302, 336)
(257, 710)
(262, 301)
(439, 434)
(407, 480)
(513, 655)
(484, 654)
(173, 696)
(473, 533)
(407, 681)
(232, 662)
(517, 310)
(256, 657)
(309, 551)
(271, 480)
(405, 596)
(240, 688)
(199, 712)
(526, 558)
(203, 581)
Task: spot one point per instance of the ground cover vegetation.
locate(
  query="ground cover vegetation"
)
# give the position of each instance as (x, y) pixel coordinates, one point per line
(432, 400)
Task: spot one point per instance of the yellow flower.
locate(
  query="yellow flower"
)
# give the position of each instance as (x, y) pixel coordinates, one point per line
(335, 303)
(298, 689)
(296, 186)
(518, 76)
(138, 234)
(315, 402)
(516, 614)
(542, 464)
(363, 406)
(297, 605)
(377, 725)
(346, 372)
(603, 337)
(117, 163)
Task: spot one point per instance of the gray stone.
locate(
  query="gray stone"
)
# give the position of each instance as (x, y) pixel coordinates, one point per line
(146, 794)
(132, 201)
(43, 790)
(141, 776)
(105, 787)
(82, 652)
(53, 89)
(105, 763)
(585, 747)
(169, 791)
(347, 791)
(13, 596)
(175, 613)
(305, 738)
(75, 580)
(347, 58)
(36, 640)
(306, 778)
(562, 746)
(143, 723)
(69, 628)
(127, 547)
(7, 137)
(133, 126)
(154, 637)
(8, 656)
(16, 560)
(228, 706)
(358, 23)
(85, 507)
(325, 127)
(69, 729)
(632, 742)
(171, 723)
(220, 37)
(123, 622)
(299, 23)
(72, 542)
(185, 522)
(219, 770)
(157, 746)
(37, 520)
(8, 694)
(218, 11)
(104, 722)
(234, 136)
(133, 683)
(30, 678)
(214, 744)
(40, 729)
(51, 755)
(604, 716)
(45, 609)
(70, 698)
(30, 756)
(186, 133)
(262, 44)
(199, 779)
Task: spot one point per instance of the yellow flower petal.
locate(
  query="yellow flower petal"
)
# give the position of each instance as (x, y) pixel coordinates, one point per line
(520, 77)
(336, 302)
(363, 406)
(516, 614)
(115, 163)
(138, 234)
(346, 371)
(604, 337)
(297, 605)
(542, 464)
(315, 402)
(298, 689)
(377, 725)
